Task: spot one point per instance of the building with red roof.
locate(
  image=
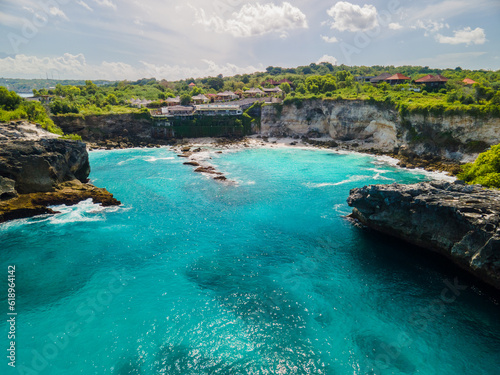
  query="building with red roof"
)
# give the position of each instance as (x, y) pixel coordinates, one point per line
(432, 81)
(397, 79)
(468, 81)
(270, 81)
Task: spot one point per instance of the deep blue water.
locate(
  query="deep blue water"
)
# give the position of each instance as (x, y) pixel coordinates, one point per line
(193, 276)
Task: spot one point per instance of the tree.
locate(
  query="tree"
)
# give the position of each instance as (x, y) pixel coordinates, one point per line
(90, 87)
(185, 99)
(9, 100)
(285, 86)
(215, 83)
(485, 170)
(112, 99)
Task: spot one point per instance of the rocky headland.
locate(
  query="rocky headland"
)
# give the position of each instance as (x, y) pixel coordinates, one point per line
(461, 222)
(37, 170)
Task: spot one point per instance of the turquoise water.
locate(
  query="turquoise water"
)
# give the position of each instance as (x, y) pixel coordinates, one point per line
(192, 276)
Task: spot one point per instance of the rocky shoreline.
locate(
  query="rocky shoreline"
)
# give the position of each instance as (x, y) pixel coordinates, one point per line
(406, 158)
(38, 170)
(460, 222)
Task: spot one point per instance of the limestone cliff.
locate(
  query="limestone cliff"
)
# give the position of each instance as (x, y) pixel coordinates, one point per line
(369, 126)
(123, 127)
(461, 222)
(37, 169)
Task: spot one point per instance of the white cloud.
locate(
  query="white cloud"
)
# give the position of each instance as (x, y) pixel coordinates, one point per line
(28, 9)
(466, 36)
(106, 3)
(395, 26)
(329, 39)
(85, 5)
(56, 12)
(351, 17)
(76, 67)
(257, 19)
(327, 58)
(430, 26)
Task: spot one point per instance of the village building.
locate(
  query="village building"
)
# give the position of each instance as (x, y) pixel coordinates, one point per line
(173, 101)
(218, 110)
(273, 91)
(192, 85)
(468, 81)
(364, 79)
(397, 79)
(253, 93)
(139, 103)
(380, 78)
(431, 81)
(284, 80)
(270, 82)
(200, 99)
(226, 96)
(178, 110)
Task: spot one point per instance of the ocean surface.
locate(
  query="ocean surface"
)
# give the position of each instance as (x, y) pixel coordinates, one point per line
(265, 276)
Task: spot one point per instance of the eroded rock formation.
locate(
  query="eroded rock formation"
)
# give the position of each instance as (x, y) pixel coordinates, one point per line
(37, 169)
(459, 221)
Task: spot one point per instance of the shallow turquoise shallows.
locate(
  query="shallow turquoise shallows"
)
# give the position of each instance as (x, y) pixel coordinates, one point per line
(194, 276)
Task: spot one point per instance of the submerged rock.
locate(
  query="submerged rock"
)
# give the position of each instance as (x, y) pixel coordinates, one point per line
(459, 221)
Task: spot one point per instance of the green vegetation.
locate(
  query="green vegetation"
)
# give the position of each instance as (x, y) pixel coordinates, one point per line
(315, 81)
(13, 107)
(73, 137)
(485, 170)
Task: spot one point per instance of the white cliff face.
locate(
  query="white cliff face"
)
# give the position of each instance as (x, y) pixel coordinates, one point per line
(382, 129)
(342, 121)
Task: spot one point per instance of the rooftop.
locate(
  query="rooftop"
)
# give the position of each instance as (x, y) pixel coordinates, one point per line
(397, 77)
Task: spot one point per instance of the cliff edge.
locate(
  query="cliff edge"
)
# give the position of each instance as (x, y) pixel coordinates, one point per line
(37, 169)
(459, 221)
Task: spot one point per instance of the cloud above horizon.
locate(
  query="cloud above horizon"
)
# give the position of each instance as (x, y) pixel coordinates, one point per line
(351, 17)
(255, 20)
(131, 39)
(76, 66)
(465, 36)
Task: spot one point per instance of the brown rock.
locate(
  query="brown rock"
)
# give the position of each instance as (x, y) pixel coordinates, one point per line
(193, 163)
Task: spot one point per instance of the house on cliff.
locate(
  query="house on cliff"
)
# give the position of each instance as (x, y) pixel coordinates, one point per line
(430, 81)
(397, 79)
(380, 78)
(253, 93)
(226, 96)
(200, 99)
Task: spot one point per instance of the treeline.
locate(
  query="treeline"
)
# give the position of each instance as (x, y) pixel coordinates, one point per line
(13, 107)
(26, 86)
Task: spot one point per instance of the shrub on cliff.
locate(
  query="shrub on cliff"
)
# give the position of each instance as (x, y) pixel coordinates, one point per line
(485, 170)
(9, 100)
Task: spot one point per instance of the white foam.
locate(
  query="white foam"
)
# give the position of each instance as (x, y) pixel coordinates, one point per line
(346, 181)
(378, 176)
(342, 208)
(152, 159)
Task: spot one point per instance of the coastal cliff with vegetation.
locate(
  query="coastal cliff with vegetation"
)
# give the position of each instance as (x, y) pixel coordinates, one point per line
(366, 126)
(458, 221)
(38, 170)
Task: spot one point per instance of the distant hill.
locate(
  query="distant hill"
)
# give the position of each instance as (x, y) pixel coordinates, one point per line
(27, 85)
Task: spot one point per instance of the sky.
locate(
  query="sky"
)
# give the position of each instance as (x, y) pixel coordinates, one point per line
(165, 39)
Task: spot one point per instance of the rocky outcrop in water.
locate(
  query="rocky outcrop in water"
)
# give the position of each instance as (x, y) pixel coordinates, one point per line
(37, 169)
(459, 221)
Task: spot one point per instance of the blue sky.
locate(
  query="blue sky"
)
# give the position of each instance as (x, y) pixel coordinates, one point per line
(131, 39)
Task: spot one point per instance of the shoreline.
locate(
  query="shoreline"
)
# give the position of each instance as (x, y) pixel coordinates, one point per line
(256, 141)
